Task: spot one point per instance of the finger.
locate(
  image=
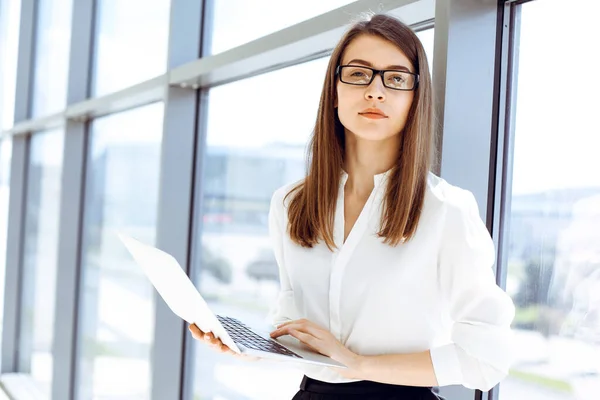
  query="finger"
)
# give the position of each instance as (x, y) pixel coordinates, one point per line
(214, 344)
(284, 329)
(196, 332)
(294, 321)
(302, 322)
(212, 339)
(224, 348)
(307, 339)
(300, 327)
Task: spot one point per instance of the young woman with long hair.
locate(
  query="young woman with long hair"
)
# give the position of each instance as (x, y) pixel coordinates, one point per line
(384, 266)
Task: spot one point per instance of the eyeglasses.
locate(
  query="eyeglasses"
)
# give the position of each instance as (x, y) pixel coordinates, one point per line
(363, 76)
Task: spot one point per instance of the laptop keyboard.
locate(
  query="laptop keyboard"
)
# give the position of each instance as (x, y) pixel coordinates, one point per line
(241, 334)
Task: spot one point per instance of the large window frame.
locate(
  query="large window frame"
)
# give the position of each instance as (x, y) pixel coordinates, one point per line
(486, 27)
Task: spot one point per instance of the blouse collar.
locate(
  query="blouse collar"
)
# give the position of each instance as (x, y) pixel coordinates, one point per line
(377, 179)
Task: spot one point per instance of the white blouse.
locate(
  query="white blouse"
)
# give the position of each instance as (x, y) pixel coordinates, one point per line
(435, 292)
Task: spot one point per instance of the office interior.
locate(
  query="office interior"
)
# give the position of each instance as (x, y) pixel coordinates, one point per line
(175, 120)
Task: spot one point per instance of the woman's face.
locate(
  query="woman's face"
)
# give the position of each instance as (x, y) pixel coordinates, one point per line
(353, 102)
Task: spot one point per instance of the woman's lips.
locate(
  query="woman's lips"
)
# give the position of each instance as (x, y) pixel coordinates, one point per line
(373, 115)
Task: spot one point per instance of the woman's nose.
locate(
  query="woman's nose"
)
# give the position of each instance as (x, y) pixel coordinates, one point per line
(376, 90)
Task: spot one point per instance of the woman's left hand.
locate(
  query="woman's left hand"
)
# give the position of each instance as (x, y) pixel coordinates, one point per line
(322, 341)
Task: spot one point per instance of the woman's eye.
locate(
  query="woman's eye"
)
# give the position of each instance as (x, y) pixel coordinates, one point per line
(358, 74)
(397, 79)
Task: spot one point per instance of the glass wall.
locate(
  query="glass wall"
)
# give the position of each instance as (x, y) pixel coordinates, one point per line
(426, 38)
(10, 14)
(243, 167)
(53, 39)
(131, 43)
(236, 22)
(116, 314)
(5, 159)
(40, 257)
(553, 243)
(247, 158)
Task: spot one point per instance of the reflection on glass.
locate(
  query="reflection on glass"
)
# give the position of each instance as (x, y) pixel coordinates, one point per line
(40, 257)
(554, 238)
(247, 158)
(254, 19)
(5, 158)
(10, 14)
(53, 40)
(116, 316)
(130, 43)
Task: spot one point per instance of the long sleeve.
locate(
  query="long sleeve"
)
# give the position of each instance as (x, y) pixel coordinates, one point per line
(481, 312)
(284, 308)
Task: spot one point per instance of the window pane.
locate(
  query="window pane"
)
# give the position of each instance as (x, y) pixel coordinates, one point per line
(117, 306)
(5, 159)
(51, 56)
(426, 38)
(131, 43)
(236, 22)
(248, 157)
(10, 16)
(554, 240)
(40, 257)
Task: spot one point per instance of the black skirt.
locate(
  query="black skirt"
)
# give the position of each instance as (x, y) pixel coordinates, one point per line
(311, 389)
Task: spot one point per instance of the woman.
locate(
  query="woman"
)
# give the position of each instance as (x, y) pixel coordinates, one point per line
(384, 266)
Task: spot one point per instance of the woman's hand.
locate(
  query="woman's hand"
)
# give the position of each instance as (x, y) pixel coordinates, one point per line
(216, 343)
(322, 341)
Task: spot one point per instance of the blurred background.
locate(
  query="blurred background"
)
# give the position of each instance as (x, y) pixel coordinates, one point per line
(148, 117)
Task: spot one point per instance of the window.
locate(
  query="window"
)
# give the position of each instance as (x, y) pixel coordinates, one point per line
(236, 22)
(117, 309)
(40, 257)
(5, 159)
(130, 43)
(247, 158)
(10, 12)
(426, 37)
(553, 243)
(52, 56)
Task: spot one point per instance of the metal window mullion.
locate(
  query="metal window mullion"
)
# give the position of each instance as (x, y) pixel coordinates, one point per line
(505, 151)
(18, 187)
(506, 98)
(174, 220)
(65, 345)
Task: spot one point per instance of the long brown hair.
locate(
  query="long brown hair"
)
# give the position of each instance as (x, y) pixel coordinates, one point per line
(312, 208)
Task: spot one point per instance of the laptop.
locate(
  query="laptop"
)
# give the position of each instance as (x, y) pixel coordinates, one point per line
(182, 297)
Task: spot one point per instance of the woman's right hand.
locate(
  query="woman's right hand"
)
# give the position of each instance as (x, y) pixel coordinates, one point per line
(216, 344)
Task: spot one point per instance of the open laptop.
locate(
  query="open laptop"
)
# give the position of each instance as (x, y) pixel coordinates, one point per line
(182, 297)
